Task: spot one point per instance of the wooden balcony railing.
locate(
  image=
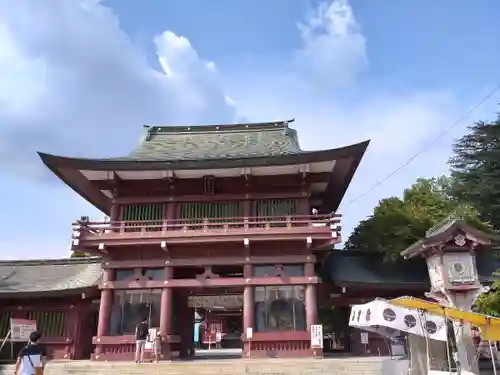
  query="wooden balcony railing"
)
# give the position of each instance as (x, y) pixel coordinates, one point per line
(314, 224)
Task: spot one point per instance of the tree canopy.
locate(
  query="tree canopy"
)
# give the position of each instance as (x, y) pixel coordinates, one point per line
(475, 168)
(78, 254)
(396, 223)
(472, 191)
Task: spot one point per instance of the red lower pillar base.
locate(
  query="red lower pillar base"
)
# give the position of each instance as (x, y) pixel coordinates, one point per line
(317, 352)
(269, 349)
(96, 356)
(247, 353)
(166, 351)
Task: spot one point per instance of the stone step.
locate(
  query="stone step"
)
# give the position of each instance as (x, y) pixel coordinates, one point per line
(327, 366)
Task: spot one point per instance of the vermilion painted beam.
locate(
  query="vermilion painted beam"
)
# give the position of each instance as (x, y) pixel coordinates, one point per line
(282, 181)
(209, 283)
(213, 198)
(176, 237)
(202, 261)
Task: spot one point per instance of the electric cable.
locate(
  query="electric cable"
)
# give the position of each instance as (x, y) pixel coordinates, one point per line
(429, 144)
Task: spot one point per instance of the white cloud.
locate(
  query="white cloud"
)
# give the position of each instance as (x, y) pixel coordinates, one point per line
(333, 51)
(70, 80)
(341, 112)
(72, 83)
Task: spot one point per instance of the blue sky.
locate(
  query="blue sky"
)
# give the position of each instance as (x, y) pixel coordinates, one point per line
(80, 78)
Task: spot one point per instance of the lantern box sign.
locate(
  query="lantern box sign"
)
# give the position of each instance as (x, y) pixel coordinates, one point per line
(381, 317)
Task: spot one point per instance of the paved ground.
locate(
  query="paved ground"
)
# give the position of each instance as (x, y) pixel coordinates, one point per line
(216, 366)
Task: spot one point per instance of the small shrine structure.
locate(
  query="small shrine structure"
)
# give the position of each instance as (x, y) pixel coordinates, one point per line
(449, 250)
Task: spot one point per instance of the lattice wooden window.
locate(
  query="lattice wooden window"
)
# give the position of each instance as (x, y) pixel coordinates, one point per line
(275, 209)
(143, 212)
(49, 323)
(216, 210)
(152, 214)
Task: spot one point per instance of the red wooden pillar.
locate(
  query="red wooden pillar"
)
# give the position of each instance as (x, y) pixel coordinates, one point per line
(106, 304)
(72, 332)
(166, 315)
(185, 323)
(248, 308)
(311, 304)
(114, 215)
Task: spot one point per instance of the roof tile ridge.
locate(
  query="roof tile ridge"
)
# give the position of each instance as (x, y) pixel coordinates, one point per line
(168, 129)
(51, 261)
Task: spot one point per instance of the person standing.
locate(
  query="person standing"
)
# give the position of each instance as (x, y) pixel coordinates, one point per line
(157, 347)
(31, 359)
(141, 336)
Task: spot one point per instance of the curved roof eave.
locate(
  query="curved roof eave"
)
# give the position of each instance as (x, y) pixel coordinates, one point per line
(68, 169)
(355, 151)
(76, 181)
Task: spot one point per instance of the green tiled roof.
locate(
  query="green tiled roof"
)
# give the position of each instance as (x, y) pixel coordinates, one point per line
(216, 142)
(48, 275)
(354, 267)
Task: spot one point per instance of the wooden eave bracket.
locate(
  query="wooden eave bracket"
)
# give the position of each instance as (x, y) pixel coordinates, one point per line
(309, 242)
(102, 248)
(246, 173)
(304, 170)
(164, 246)
(207, 274)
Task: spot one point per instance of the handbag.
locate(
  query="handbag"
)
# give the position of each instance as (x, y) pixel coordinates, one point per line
(36, 370)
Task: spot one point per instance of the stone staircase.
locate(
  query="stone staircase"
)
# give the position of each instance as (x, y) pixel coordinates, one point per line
(302, 366)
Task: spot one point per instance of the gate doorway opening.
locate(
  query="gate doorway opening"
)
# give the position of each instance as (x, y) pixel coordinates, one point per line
(218, 324)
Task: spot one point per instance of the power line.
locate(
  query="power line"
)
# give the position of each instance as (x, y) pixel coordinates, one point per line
(429, 144)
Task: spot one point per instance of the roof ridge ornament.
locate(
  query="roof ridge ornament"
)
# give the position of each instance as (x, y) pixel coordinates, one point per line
(443, 224)
(460, 240)
(152, 129)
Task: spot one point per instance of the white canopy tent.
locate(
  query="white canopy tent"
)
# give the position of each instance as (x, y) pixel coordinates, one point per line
(427, 333)
(381, 317)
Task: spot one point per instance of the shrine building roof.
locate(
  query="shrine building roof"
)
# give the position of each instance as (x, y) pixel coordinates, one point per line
(445, 231)
(368, 269)
(185, 152)
(22, 277)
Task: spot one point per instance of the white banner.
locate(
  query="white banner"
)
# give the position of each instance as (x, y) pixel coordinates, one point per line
(316, 335)
(249, 332)
(381, 317)
(21, 329)
(364, 338)
(151, 339)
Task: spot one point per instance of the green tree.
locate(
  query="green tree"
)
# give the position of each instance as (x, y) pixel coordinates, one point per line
(78, 254)
(489, 303)
(397, 223)
(476, 170)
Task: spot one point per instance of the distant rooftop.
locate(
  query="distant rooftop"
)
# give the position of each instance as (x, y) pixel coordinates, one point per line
(49, 275)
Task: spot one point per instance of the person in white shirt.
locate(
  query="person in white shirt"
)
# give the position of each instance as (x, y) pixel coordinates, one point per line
(31, 359)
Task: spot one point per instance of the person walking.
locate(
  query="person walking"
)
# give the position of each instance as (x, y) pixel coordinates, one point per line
(31, 359)
(141, 336)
